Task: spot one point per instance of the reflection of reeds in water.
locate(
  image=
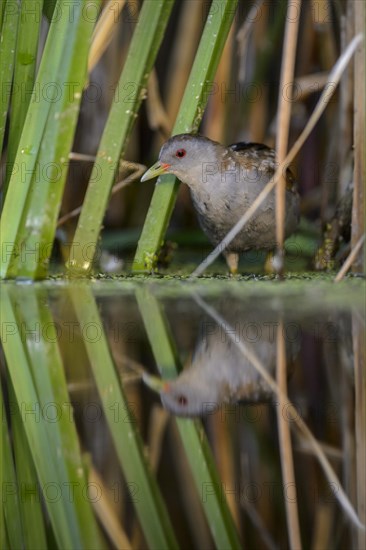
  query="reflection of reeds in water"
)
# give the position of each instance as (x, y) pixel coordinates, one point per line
(298, 422)
(214, 477)
(358, 334)
(284, 435)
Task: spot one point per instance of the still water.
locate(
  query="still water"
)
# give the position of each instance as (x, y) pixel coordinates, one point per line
(149, 415)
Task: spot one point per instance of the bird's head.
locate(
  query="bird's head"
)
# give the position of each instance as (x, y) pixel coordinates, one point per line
(187, 395)
(187, 157)
(184, 398)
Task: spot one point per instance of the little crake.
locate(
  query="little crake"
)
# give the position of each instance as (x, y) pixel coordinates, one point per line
(224, 182)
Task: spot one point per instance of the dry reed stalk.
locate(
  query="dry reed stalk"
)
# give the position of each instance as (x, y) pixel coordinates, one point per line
(157, 429)
(284, 436)
(334, 77)
(358, 337)
(350, 259)
(291, 409)
(334, 453)
(323, 526)
(359, 178)
(104, 31)
(283, 121)
(347, 427)
(225, 459)
(106, 513)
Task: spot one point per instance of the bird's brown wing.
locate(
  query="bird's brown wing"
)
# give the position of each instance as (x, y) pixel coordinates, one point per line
(250, 146)
(254, 153)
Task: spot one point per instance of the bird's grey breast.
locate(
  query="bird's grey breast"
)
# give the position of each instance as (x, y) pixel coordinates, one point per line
(224, 193)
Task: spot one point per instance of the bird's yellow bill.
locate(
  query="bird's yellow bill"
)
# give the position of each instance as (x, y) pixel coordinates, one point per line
(156, 170)
(155, 383)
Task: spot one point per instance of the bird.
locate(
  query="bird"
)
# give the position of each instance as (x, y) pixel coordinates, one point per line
(224, 182)
(219, 373)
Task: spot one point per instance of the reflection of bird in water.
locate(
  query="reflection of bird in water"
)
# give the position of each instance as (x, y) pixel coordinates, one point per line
(220, 373)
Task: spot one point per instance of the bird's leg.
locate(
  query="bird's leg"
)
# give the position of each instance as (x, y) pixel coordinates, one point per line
(232, 260)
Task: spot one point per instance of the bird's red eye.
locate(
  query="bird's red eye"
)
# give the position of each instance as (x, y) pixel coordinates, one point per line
(182, 400)
(180, 153)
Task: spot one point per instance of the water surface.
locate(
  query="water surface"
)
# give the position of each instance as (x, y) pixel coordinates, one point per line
(140, 362)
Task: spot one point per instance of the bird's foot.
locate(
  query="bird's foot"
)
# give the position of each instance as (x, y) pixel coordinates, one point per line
(232, 260)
